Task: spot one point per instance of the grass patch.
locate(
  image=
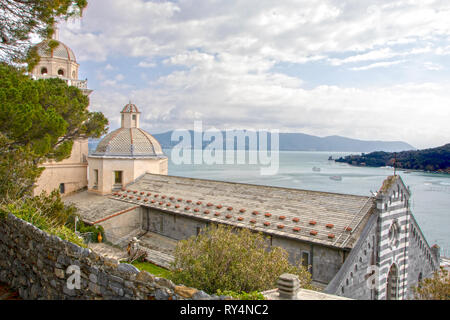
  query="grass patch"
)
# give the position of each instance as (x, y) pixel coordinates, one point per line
(153, 269)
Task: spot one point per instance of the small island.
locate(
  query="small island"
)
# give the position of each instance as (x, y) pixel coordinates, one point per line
(433, 160)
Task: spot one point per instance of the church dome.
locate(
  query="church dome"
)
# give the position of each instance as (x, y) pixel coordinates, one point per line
(130, 108)
(129, 143)
(60, 51)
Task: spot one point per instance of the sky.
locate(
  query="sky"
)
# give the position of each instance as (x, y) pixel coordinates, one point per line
(371, 70)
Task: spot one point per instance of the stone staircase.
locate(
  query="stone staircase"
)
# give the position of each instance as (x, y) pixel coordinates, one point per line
(160, 259)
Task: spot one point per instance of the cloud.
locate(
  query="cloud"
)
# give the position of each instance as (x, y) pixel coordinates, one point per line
(285, 31)
(378, 65)
(146, 64)
(219, 63)
(433, 66)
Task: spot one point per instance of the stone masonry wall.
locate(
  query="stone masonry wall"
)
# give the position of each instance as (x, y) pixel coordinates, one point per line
(422, 262)
(37, 265)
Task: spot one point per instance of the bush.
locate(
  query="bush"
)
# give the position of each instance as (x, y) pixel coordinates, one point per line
(254, 295)
(435, 288)
(84, 228)
(230, 259)
(47, 213)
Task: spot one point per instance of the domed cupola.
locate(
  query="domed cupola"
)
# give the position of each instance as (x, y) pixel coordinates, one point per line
(60, 51)
(124, 155)
(129, 140)
(58, 61)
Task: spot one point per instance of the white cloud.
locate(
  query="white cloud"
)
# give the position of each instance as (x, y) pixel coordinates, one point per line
(146, 64)
(224, 53)
(378, 65)
(433, 66)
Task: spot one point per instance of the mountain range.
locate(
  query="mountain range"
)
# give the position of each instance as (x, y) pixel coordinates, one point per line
(305, 142)
(297, 142)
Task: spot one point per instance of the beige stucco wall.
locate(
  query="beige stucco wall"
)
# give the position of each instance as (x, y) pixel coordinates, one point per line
(54, 64)
(131, 170)
(71, 171)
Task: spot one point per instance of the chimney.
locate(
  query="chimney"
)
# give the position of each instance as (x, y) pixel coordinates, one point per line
(288, 286)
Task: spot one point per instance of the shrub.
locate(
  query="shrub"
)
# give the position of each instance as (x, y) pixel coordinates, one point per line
(47, 213)
(254, 295)
(436, 288)
(230, 259)
(85, 228)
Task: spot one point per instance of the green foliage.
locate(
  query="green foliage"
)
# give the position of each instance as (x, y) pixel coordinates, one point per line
(435, 159)
(23, 18)
(254, 295)
(39, 120)
(231, 259)
(85, 228)
(435, 288)
(46, 212)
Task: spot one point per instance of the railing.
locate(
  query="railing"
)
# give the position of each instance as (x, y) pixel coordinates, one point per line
(80, 84)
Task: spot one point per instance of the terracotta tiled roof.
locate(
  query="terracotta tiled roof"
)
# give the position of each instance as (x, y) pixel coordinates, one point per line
(129, 108)
(305, 215)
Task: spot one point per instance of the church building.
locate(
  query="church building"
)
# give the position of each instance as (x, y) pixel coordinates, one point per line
(361, 247)
(70, 174)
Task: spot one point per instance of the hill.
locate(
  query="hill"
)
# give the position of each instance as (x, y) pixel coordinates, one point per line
(305, 142)
(434, 159)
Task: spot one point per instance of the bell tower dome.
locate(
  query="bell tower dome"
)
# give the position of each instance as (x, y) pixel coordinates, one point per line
(58, 61)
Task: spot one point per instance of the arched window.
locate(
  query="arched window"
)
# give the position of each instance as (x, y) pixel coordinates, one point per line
(44, 70)
(73, 74)
(392, 283)
(61, 72)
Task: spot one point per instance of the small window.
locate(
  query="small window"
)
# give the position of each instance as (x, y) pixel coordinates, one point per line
(44, 71)
(134, 117)
(118, 177)
(305, 258)
(61, 72)
(95, 177)
(73, 74)
(62, 188)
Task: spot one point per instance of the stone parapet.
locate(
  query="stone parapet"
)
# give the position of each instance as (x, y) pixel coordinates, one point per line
(42, 266)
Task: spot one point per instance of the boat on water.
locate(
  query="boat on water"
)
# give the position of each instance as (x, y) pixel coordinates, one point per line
(330, 158)
(316, 169)
(336, 178)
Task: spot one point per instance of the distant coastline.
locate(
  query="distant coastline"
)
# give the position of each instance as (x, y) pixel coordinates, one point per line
(300, 142)
(435, 160)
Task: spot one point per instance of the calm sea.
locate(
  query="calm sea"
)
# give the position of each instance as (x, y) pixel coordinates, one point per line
(430, 201)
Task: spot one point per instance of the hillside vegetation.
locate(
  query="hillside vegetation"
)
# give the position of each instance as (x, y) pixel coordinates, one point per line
(434, 159)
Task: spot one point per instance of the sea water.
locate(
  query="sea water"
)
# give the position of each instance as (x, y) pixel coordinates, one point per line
(430, 200)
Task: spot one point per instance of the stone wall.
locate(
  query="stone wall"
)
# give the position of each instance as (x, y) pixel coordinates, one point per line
(171, 225)
(40, 266)
(122, 226)
(422, 261)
